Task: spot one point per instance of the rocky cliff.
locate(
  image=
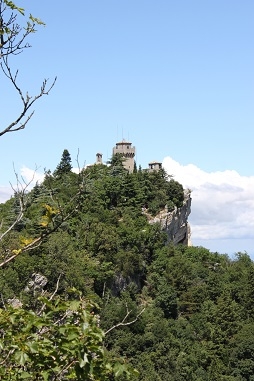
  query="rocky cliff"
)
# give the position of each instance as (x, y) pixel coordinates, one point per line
(175, 223)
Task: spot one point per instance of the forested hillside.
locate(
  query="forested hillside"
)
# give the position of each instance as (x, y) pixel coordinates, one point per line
(171, 313)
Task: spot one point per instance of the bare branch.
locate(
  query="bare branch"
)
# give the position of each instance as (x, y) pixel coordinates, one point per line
(13, 36)
(8, 259)
(20, 193)
(12, 42)
(37, 241)
(27, 101)
(52, 296)
(48, 231)
(8, 355)
(124, 322)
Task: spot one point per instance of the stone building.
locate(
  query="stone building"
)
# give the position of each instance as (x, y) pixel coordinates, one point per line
(128, 152)
(154, 166)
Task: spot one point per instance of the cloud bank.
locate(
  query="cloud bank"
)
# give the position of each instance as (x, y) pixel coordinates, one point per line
(222, 204)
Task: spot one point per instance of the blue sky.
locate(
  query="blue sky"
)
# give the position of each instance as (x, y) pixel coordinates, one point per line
(174, 77)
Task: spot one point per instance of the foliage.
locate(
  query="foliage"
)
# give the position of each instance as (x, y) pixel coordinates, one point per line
(197, 312)
(65, 164)
(61, 342)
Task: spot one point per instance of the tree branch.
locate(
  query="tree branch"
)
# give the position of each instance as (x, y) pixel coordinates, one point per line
(123, 322)
(13, 36)
(12, 42)
(20, 193)
(27, 100)
(52, 296)
(38, 240)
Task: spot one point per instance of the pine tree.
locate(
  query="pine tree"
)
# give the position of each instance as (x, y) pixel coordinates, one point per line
(65, 164)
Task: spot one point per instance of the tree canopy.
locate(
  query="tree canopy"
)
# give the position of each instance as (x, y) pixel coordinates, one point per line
(171, 312)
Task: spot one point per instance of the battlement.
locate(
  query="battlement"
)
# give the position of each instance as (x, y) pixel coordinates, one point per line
(154, 166)
(128, 152)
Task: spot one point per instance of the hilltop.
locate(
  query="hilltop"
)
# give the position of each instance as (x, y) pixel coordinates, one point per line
(174, 312)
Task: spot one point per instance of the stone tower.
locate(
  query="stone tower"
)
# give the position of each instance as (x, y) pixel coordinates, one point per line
(128, 152)
(154, 166)
(99, 158)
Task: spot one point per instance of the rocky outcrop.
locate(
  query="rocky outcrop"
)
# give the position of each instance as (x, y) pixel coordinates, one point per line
(35, 286)
(36, 283)
(121, 283)
(175, 223)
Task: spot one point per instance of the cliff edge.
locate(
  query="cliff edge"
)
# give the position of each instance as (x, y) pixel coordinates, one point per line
(175, 223)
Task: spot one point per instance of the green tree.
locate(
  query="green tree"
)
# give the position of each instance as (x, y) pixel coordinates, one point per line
(175, 192)
(116, 164)
(65, 164)
(242, 353)
(248, 293)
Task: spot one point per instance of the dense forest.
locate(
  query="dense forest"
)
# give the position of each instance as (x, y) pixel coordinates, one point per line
(115, 299)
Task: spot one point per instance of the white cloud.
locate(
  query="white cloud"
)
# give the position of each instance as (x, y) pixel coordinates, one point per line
(31, 176)
(5, 193)
(76, 170)
(27, 176)
(222, 202)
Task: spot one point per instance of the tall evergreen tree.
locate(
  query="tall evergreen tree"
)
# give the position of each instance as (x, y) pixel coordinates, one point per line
(65, 164)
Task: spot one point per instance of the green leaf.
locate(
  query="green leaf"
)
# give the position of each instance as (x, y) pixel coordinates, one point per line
(34, 347)
(25, 375)
(11, 5)
(35, 20)
(21, 357)
(74, 305)
(45, 375)
(84, 361)
(119, 369)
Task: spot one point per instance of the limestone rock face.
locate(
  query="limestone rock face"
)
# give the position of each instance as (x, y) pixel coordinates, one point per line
(36, 283)
(35, 286)
(175, 223)
(120, 283)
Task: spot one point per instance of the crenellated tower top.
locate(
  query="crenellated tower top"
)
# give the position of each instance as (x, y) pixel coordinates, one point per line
(128, 152)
